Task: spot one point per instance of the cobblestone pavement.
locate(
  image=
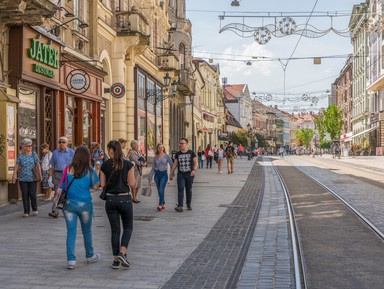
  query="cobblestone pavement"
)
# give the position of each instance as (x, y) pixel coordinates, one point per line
(345, 178)
(268, 264)
(32, 254)
(211, 263)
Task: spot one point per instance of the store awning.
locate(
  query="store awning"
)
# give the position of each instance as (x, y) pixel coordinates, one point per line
(360, 133)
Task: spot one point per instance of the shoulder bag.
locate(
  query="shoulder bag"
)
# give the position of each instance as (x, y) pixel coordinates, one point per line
(36, 171)
(103, 194)
(63, 196)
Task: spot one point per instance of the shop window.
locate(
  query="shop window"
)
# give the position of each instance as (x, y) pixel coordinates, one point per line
(151, 131)
(28, 116)
(87, 123)
(69, 121)
(48, 125)
(141, 128)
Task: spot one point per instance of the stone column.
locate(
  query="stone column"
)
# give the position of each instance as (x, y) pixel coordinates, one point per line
(119, 105)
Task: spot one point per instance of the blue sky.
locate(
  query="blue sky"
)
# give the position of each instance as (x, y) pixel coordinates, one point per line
(302, 76)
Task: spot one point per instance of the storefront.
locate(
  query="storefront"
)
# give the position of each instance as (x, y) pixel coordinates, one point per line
(80, 101)
(34, 74)
(149, 111)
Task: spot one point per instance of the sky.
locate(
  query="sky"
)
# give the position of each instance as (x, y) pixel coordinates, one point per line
(303, 79)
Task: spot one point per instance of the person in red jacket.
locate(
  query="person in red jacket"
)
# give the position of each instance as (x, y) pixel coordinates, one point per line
(209, 155)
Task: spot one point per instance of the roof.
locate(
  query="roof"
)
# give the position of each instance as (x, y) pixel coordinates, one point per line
(231, 120)
(232, 91)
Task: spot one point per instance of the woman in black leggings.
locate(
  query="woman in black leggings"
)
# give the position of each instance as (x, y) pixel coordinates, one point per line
(117, 175)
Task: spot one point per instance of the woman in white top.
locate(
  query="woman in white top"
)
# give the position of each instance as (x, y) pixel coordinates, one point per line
(46, 184)
(220, 156)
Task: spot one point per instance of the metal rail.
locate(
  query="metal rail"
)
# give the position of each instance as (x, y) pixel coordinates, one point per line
(356, 212)
(300, 276)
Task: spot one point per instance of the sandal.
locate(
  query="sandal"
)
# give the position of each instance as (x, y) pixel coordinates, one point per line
(136, 201)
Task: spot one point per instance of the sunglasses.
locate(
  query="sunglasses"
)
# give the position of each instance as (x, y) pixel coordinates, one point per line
(62, 142)
(28, 146)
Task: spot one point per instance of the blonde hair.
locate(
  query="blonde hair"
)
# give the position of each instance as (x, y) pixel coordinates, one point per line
(157, 149)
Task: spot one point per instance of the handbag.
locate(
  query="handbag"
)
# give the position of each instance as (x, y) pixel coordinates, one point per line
(146, 191)
(36, 171)
(63, 196)
(203, 158)
(103, 194)
(210, 153)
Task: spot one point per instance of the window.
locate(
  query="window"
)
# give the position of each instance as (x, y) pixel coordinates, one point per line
(68, 121)
(27, 115)
(87, 123)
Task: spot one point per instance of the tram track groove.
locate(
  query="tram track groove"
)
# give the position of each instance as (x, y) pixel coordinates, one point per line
(338, 249)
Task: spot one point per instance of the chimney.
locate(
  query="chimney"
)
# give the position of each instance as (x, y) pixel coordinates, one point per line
(276, 106)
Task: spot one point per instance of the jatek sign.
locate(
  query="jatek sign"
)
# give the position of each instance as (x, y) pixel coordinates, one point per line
(45, 54)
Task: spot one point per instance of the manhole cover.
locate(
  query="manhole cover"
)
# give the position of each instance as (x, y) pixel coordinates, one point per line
(231, 206)
(344, 182)
(143, 218)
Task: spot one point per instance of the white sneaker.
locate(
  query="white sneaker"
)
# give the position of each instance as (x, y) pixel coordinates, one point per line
(94, 258)
(25, 215)
(35, 213)
(71, 264)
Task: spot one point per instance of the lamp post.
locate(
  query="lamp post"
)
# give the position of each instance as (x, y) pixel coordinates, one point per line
(159, 93)
(81, 24)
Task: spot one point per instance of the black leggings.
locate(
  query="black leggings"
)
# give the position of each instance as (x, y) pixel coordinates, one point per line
(119, 207)
(209, 162)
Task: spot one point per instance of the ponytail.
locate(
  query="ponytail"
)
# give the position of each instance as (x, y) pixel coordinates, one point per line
(117, 160)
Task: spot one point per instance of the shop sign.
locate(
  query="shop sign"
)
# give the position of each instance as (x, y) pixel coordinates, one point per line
(208, 117)
(78, 81)
(11, 139)
(45, 54)
(205, 129)
(117, 90)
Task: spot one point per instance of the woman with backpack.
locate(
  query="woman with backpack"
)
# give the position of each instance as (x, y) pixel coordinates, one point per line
(117, 175)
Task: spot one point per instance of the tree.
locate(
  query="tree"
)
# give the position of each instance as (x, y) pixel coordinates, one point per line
(239, 137)
(261, 141)
(320, 128)
(305, 136)
(333, 121)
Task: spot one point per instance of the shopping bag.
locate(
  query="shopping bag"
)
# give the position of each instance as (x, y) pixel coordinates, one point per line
(146, 191)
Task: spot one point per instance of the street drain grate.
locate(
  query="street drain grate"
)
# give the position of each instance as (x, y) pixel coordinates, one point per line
(231, 206)
(143, 218)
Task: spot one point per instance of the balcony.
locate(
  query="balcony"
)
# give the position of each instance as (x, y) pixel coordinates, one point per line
(167, 62)
(186, 83)
(32, 12)
(132, 23)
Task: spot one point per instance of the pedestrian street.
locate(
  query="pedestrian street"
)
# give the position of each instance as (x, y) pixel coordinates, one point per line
(33, 253)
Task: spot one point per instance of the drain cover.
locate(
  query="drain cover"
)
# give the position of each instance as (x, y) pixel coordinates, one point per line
(231, 206)
(143, 218)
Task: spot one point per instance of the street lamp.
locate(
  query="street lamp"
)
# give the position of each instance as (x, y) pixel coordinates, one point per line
(159, 93)
(81, 24)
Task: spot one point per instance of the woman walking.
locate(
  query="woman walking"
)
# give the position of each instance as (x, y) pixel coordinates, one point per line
(78, 178)
(46, 184)
(220, 157)
(159, 170)
(201, 155)
(26, 161)
(138, 159)
(209, 156)
(117, 176)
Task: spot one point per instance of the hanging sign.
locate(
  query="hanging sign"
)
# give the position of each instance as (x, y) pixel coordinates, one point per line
(78, 81)
(117, 90)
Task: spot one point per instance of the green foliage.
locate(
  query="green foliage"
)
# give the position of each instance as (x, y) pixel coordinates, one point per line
(239, 137)
(262, 143)
(333, 121)
(304, 136)
(320, 128)
(325, 144)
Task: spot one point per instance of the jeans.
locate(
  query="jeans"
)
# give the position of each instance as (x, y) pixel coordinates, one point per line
(201, 162)
(184, 180)
(83, 211)
(119, 207)
(161, 179)
(28, 191)
(209, 162)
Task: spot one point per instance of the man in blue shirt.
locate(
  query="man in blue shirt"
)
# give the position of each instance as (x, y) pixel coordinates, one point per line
(61, 158)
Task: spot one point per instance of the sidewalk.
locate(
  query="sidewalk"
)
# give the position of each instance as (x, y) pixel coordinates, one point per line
(32, 254)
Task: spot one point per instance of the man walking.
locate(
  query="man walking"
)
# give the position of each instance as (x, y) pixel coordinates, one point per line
(230, 154)
(61, 158)
(186, 164)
